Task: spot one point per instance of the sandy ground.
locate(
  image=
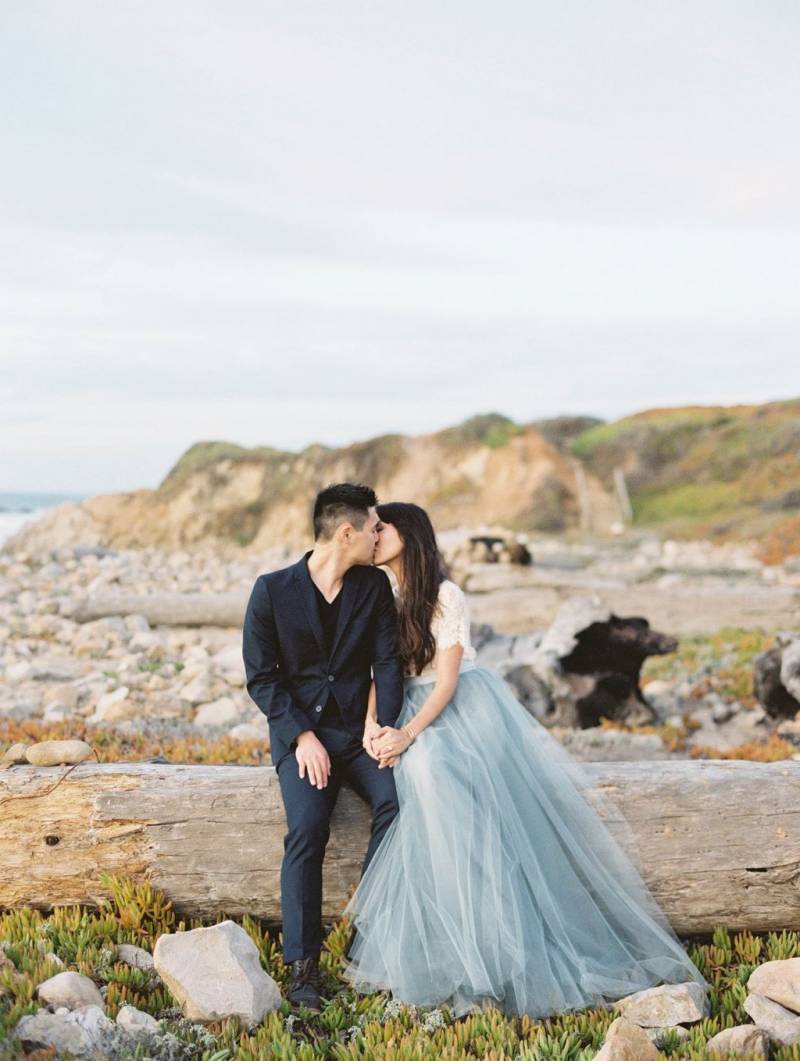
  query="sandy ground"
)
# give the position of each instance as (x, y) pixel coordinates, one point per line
(690, 609)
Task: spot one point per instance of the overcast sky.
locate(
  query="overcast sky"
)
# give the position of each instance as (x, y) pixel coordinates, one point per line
(278, 223)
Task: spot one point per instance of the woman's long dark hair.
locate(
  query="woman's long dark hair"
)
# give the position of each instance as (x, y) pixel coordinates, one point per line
(424, 568)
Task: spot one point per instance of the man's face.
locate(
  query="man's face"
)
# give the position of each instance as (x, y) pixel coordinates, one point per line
(365, 541)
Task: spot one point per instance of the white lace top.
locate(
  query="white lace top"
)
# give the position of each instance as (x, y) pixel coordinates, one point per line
(450, 623)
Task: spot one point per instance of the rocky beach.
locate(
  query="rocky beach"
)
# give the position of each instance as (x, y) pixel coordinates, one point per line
(137, 654)
(131, 671)
(143, 831)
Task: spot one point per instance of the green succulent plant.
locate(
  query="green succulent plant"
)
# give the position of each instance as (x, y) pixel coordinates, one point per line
(350, 1027)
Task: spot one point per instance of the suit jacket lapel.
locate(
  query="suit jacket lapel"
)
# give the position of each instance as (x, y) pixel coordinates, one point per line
(305, 588)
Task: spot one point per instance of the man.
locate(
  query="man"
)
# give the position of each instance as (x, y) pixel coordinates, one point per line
(315, 634)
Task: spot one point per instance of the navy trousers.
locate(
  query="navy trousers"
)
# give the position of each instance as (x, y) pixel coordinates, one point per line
(308, 814)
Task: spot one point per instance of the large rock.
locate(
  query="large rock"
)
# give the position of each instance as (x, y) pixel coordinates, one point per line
(58, 752)
(197, 690)
(779, 1023)
(611, 654)
(245, 731)
(219, 712)
(778, 980)
(745, 1040)
(664, 1006)
(531, 691)
(113, 706)
(17, 753)
(216, 973)
(137, 1023)
(86, 1032)
(625, 1041)
(137, 957)
(19, 672)
(228, 662)
(70, 989)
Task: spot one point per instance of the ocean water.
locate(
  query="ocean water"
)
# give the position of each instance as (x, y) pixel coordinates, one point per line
(20, 507)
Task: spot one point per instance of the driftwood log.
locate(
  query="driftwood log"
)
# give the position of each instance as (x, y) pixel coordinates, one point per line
(166, 609)
(718, 840)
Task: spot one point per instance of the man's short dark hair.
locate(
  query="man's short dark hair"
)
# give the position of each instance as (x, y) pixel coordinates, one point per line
(339, 503)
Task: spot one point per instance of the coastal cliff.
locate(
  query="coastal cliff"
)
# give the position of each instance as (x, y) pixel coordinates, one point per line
(486, 470)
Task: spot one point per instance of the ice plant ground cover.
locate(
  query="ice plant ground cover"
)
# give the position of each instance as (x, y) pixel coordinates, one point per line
(349, 1026)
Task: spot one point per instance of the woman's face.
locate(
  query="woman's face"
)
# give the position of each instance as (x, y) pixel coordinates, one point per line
(390, 544)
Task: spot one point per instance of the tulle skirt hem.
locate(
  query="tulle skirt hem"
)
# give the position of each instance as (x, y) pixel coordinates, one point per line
(499, 882)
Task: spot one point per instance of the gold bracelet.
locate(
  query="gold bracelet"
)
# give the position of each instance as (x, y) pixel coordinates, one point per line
(408, 729)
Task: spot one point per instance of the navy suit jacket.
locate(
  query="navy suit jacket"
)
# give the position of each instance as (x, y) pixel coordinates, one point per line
(288, 669)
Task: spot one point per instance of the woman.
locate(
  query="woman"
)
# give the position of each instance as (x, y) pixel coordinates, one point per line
(498, 883)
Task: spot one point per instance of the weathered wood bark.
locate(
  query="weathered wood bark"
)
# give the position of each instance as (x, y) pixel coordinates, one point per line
(167, 609)
(719, 841)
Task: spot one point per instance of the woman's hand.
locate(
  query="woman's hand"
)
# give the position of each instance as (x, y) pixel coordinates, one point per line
(390, 745)
(371, 730)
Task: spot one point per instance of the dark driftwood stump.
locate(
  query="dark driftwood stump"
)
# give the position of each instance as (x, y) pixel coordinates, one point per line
(718, 841)
(770, 691)
(597, 674)
(612, 653)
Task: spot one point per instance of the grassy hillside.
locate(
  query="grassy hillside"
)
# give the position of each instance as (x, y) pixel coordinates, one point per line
(488, 429)
(486, 469)
(707, 471)
(722, 472)
(692, 472)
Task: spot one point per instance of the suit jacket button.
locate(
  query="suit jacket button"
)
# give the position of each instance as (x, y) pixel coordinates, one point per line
(330, 677)
(318, 707)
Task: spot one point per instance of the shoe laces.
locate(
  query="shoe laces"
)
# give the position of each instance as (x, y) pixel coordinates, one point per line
(306, 971)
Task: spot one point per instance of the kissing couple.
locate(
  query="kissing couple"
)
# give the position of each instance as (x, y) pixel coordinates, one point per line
(490, 878)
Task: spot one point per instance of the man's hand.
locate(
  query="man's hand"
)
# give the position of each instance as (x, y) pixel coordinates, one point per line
(371, 729)
(312, 756)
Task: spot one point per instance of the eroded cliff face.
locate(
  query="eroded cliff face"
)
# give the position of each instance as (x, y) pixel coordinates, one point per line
(722, 473)
(227, 496)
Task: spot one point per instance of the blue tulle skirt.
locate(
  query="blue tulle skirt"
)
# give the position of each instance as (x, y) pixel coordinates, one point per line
(500, 882)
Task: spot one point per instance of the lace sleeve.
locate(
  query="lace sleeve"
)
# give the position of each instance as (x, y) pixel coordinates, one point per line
(453, 626)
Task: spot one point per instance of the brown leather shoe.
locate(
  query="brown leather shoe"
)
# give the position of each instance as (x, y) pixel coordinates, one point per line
(304, 984)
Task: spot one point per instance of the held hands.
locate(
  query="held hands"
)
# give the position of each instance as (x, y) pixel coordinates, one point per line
(383, 743)
(312, 756)
(371, 730)
(390, 744)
